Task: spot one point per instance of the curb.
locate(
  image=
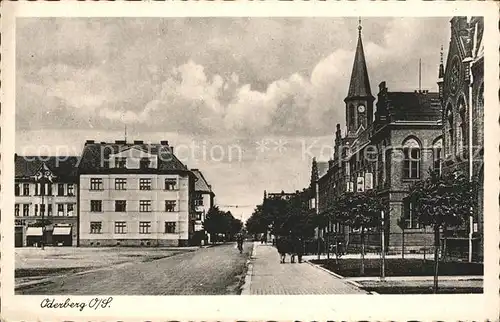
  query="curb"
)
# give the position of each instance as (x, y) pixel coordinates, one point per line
(245, 290)
(325, 270)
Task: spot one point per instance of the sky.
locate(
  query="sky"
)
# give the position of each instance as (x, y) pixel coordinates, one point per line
(248, 101)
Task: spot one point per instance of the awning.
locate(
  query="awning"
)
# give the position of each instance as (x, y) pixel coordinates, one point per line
(61, 231)
(34, 231)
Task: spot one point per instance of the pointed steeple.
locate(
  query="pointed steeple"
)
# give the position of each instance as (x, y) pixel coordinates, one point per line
(314, 171)
(360, 83)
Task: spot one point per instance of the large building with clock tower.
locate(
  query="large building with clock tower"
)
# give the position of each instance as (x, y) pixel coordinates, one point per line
(386, 149)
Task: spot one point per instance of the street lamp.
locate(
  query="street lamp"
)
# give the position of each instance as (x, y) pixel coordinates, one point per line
(43, 176)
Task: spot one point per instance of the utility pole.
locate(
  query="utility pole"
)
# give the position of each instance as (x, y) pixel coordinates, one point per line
(382, 277)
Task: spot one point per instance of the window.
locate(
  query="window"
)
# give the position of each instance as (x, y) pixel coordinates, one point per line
(49, 209)
(437, 156)
(462, 130)
(36, 210)
(17, 189)
(95, 227)
(26, 210)
(16, 210)
(450, 132)
(169, 205)
(42, 210)
(169, 227)
(145, 205)
(144, 227)
(120, 205)
(70, 209)
(37, 189)
(120, 163)
(198, 201)
(26, 189)
(198, 215)
(49, 189)
(60, 209)
(120, 184)
(411, 162)
(351, 117)
(96, 205)
(60, 189)
(170, 184)
(410, 219)
(120, 227)
(144, 163)
(145, 184)
(71, 189)
(96, 184)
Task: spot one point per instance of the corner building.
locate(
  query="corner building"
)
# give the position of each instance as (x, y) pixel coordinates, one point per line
(134, 194)
(386, 149)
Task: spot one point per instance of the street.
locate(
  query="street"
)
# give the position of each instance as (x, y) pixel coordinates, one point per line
(218, 270)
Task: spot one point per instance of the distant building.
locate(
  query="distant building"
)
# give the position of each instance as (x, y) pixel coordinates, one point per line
(387, 149)
(55, 200)
(279, 195)
(461, 83)
(203, 199)
(134, 194)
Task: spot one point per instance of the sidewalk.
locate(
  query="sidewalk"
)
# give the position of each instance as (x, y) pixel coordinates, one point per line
(269, 277)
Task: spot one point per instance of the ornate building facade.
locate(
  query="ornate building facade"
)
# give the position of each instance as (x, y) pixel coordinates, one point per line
(461, 82)
(387, 150)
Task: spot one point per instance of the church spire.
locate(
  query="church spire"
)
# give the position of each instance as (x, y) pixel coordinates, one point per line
(359, 86)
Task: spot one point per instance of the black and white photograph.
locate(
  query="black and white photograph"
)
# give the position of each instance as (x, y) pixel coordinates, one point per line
(247, 156)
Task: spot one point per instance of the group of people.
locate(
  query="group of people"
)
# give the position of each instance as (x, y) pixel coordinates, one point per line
(293, 246)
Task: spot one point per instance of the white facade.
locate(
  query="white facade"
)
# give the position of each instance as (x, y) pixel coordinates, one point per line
(146, 219)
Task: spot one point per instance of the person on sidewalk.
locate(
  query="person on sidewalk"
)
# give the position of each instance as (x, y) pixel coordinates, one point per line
(239, 240)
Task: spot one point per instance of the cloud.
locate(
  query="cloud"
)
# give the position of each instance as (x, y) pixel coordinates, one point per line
(238, 76)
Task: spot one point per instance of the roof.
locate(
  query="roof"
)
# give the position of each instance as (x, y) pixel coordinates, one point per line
(94, 155)
(201, 184)
(65, 168)
(360, 83)
(322, 168)
(414, 106)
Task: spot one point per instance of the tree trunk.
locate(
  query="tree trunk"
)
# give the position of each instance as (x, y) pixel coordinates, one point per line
(362, 271)
(436, 258)
(403, 246)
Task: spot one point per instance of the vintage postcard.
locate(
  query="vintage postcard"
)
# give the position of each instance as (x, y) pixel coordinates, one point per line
(249, 161)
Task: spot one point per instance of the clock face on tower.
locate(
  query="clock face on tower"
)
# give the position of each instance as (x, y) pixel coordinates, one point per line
(361, 108)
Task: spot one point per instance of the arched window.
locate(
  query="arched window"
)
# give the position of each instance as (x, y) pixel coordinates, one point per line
(352, 112)
(462, 126)
(480, 114)
(449, 139)
(411, 161)
(437, 155)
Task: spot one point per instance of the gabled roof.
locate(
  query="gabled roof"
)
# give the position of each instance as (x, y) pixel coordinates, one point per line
(322, 168)
(360, 83)
(414, 106)
(94, 155)
(65, 168)
(201, 184)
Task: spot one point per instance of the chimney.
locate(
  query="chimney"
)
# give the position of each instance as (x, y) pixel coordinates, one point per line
(382, 87)
(164, 142)
(89, 142)
(138, 142)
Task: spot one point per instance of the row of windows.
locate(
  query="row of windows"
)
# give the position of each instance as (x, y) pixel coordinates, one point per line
(44, 189)
(121, 227)
(121, 205)
(121, 184)
(121, 163)
(39, 210)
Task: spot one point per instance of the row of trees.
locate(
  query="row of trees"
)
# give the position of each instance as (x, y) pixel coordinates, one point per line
(221, 224)
(439, 201)
(283, 217)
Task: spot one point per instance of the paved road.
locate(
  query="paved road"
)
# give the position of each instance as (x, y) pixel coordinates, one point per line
(269, 277)
(216, 270)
